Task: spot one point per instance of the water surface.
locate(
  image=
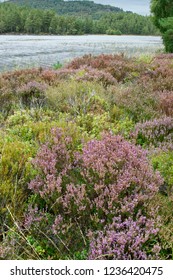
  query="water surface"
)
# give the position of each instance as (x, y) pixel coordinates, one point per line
(21, 51)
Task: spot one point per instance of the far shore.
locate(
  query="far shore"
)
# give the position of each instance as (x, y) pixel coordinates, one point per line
(75, 35)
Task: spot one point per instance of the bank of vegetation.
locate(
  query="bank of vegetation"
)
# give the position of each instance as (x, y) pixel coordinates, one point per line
(29, 20)
(86, 160)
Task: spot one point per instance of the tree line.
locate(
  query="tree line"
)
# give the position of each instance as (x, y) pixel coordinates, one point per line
(18, 19)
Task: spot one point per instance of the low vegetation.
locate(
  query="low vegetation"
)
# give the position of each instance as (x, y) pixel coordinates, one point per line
(86, 160)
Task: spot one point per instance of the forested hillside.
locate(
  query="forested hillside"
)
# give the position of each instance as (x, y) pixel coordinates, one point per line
(24, 19)
(69, 7)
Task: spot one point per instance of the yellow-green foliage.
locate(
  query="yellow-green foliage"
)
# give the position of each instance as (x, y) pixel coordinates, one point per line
(164, 163)
(37, 130)
(165, 205)
(15, 173)
(77, 97)
(94, 124)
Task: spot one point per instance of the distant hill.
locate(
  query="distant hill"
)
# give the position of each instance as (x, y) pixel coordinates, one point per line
(70, 18)
(68, 7)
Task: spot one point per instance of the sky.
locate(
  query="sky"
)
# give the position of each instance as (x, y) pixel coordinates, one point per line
(138, 6)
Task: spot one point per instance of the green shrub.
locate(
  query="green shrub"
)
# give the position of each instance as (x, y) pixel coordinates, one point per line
(168, 39)
(138, 103)
(8, 101)
(15, 173)
(77, 97)
(163, 162)
(32, 94)
(164, 204)
(113, 32)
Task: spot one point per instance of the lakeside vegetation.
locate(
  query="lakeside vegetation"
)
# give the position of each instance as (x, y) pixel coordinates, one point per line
(86, 149)
(86, 160)
(28, 20)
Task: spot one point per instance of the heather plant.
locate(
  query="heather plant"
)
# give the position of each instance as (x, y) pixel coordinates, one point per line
(118, 66)
(158, 76)
(32, 95)
(92, 74)
(157, 133)
(50, 76)
(100, 192)
(112, 242)
(84, 73)
(18, 78)
(138, 103)
(26, 80)
(166, 102)
(57, 76)
(7, 101)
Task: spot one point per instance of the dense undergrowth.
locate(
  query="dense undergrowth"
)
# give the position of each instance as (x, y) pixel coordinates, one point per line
(86, 160)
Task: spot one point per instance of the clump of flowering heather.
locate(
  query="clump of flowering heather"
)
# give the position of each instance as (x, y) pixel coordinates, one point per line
(32, 94)
(159, 75)
(112, 242)
(86, 73)
(157, 133)
(17, 78)
(118, 66)
(92, 74)
(99, 193)
(50, 76)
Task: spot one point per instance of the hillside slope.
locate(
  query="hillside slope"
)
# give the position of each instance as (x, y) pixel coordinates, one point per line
(68, 7)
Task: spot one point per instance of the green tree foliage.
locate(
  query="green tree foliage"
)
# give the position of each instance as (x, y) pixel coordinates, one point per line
(68, 7)
(20, 19)
(163, 19)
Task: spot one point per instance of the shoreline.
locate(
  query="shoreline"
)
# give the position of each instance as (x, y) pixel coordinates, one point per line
(77, 35)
